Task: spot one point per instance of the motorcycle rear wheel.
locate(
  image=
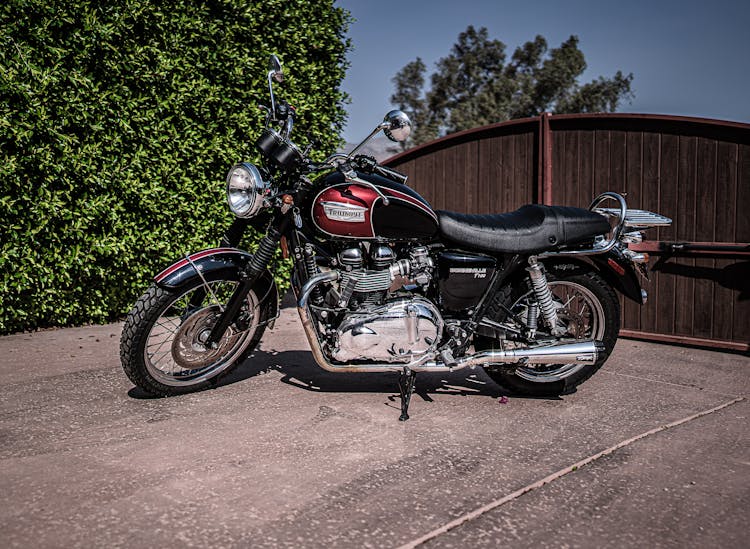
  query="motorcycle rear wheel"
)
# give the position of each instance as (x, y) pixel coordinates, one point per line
(162, 349)
(587, 307)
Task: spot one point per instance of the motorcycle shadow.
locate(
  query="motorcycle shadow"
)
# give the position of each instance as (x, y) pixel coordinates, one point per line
(299, 370)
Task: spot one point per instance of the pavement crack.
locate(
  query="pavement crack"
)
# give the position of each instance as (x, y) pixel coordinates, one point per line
(683, 385)
(559, 474)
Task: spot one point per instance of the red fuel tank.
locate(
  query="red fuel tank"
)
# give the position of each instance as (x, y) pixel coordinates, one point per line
(350, 208)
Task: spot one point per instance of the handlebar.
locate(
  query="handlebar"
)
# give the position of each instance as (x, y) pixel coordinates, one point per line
(388, 173)
(368, 163)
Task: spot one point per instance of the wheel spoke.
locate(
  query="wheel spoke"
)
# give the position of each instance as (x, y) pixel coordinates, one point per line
(159, 355)
(158, 348)
(565, 305)
(583, 307)
(166, 327)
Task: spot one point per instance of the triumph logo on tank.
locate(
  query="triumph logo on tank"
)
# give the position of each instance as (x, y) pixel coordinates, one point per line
(340, 211)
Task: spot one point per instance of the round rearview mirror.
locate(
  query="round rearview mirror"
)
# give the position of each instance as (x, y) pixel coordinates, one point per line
(274, 64)
(398, 126)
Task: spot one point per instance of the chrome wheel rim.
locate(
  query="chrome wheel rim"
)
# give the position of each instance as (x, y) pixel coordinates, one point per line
(174, 353)
(580, 313)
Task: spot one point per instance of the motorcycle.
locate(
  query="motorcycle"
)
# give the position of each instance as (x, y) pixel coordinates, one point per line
(384, 283)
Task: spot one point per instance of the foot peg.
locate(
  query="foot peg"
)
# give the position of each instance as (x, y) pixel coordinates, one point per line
(406, 381)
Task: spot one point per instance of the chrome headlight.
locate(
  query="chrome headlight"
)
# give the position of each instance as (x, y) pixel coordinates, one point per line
(246, 190)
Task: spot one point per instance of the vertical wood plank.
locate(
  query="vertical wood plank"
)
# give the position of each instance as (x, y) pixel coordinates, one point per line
(617, 162)
(669, 173)
(704, 298)
(650, 201)
(665, 284)
(725, 205)
(530, 167)
(438, 175)
(633, 177)
(602, 166)
(723, 305)
(487, 171)
(740, 270)
(585, 187)
(520, 171)
(634, 144)
(472, 175)
(705, 226)
(742, 232)
(684, 223)
(496, 191)
(454, 195)
(705, 222)
(739, 275)
(557, 164)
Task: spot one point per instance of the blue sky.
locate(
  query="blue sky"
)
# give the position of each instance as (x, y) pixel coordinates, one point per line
(688, 57)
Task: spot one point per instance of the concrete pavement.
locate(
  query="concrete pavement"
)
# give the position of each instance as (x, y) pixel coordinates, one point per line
(285, 454)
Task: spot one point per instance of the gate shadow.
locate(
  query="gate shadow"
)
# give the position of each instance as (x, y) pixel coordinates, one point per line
(735, 276)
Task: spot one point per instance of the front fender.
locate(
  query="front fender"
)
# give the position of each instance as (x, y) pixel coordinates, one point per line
(217, 264)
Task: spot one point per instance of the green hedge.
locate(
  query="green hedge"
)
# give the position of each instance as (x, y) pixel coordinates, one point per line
(118, 123)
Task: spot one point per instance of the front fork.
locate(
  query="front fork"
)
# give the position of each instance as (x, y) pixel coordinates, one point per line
(253, 271)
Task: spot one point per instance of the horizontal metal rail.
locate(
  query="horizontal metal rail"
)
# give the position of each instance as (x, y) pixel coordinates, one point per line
(738, 250)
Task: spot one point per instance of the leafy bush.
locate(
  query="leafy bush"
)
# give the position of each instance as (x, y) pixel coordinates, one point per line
(118, 123)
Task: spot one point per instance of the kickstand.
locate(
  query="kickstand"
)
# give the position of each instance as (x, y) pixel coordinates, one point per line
(406, 381)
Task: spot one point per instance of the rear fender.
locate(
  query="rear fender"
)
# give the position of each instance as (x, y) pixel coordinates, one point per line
(218, 264)
(613, 266)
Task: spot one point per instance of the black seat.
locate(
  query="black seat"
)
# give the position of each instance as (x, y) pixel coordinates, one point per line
(530, 229)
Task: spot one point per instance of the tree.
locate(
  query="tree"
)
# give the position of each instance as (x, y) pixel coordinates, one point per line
(473, 86)
(118, 123)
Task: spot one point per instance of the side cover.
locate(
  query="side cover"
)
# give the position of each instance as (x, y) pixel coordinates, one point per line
(217, 264)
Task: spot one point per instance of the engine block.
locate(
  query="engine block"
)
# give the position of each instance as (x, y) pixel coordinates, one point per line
(387, 274)
(398, 331)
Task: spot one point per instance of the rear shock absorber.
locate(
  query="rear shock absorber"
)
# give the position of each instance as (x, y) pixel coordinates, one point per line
(543, 295)
(532, 314)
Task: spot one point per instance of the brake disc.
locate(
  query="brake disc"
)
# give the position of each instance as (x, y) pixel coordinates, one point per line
(189, 350)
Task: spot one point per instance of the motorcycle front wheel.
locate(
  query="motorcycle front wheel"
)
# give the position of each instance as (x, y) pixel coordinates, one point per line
(587, 309)
(162, 347)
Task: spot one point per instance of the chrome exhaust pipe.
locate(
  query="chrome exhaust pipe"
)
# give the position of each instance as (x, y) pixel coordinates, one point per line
(587, 352)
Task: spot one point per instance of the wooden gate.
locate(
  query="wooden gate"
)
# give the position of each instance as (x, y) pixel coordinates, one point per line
(695, 171)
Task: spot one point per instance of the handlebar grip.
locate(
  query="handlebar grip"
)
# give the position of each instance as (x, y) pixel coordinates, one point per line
(398, 177)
